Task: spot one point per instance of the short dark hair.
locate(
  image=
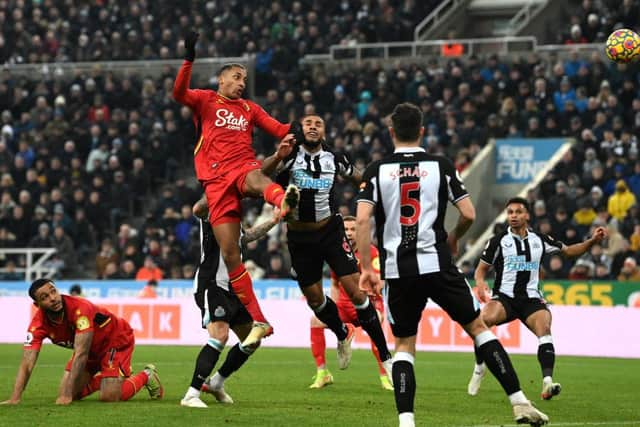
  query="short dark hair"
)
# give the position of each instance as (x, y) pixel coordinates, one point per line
(229, 66)
(520, 200)
(37, 284)
(349, 218)
(406, 121)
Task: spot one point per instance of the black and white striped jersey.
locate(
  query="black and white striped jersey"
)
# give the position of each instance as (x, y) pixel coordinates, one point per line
(212, 267)
(410, 190)
(315, 176)
(517, 261)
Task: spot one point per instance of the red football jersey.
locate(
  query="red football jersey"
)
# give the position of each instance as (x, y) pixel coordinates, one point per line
(225, 126)
(80, 316)
(375, 262)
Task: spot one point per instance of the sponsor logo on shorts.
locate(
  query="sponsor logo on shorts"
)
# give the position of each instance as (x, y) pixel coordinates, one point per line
(219, 311)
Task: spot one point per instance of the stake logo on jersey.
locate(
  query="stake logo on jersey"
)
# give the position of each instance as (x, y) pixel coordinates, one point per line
(226, 119)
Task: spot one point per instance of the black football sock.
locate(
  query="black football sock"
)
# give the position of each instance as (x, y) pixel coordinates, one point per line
(236, 357)
(498, 361)
(371, 324)
(404, 381)
(546, 355)
(206, 361)
(327, 312)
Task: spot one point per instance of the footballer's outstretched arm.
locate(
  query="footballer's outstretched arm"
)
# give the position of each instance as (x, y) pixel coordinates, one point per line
(258, 231)
(181, 91)
(29, 359)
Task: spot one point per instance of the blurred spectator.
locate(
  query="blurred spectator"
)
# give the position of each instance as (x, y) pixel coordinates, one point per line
(75, 290)
(149, 271)
(602, 272)
(65, 254)
(582, 270)
(557, 268)
(11, 273)
(149, 290)
(620, 202)
(630, 271)
(276, 269)
(105, 256)
(254, 270)
(43, 238)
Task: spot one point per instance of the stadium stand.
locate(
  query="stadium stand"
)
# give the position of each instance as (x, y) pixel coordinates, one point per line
(69, 147)
(277, 32)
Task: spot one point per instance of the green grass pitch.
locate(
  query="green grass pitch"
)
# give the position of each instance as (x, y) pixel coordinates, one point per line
(271, 390)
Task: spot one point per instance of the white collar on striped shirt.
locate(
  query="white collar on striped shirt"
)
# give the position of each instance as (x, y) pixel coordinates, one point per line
(517, 236)
(408, 149)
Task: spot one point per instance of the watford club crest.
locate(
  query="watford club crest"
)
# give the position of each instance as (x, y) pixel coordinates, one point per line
(82, 323)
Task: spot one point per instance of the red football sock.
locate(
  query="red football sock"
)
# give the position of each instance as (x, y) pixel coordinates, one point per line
(92, 387)
(318, 346)
(274, 194)
(242, 286)
(132, 385)
(376, 353)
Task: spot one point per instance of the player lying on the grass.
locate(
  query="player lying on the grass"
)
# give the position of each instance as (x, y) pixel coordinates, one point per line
(102, 345)
(220, 309)
(227, 168)
(516, 255)
(347, 312)
(315, 234)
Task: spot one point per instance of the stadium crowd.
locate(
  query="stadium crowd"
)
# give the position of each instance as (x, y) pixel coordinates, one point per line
(591, 21)
(277, 32)
(71, 146)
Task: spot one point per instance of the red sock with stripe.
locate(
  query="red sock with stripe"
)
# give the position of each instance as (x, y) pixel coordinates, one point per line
(273, 194)
(132, 385)
(92, 387)
(243, 288)
(318, 346)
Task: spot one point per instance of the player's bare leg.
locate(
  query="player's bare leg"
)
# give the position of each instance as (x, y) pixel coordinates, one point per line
(228, 235)
(493, 313)
(236, 357)
(540, 324)
(318, 349)
(110, 389)
(499, 363)
(327, 312)
(368, 318)
(257, 184)
(113, 389)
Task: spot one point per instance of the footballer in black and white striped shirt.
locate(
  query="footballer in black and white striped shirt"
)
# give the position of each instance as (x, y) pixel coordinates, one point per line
(408, 193)
(516, 255)
(316, 233)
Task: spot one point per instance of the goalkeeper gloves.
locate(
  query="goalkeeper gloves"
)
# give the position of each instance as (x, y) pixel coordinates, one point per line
(190, 46)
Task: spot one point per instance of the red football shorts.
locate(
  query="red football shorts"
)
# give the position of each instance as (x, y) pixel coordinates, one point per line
(114, 363)
(347, 311)
(224, 192)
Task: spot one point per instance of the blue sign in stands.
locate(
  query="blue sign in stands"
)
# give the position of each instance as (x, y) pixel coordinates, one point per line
(264, 289)
(518, 160)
